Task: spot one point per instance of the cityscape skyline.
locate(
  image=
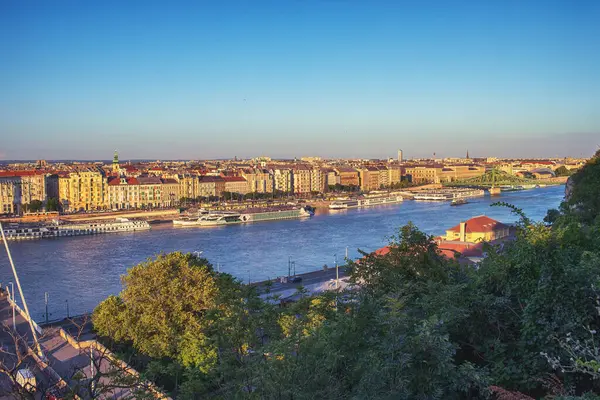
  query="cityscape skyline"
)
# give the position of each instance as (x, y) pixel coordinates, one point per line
(331, 79)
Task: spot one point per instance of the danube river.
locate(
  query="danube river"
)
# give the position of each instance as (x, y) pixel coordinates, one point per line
(82, 271)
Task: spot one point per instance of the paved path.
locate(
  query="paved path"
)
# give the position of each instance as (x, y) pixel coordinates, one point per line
(8, 356)
(62, 357)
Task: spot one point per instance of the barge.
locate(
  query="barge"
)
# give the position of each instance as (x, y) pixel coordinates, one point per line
(364, 202)
(25, 232)
(448, 194)
(206, 218)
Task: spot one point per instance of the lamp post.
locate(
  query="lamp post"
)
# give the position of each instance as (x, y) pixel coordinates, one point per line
(12, 296)
(337, 273)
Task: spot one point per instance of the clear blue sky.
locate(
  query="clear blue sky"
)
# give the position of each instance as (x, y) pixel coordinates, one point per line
(206, 79)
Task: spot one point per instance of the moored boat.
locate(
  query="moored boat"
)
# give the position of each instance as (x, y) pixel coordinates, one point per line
(458, 202)
(248, 216)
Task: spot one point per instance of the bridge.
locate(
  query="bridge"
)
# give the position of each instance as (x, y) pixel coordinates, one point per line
(492, 179)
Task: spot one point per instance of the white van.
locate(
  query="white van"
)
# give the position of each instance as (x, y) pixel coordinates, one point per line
(26, 379)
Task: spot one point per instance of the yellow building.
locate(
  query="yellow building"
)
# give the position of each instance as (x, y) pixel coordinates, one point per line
(301, 179)
(235, 184)
(19, 188)
(9, 196)
(369, 178)
(317, 180)
(424, 173)
(83, 189)
(259, 180)
(189, 186)
(394, 175)
(451, 173)
(478, 229)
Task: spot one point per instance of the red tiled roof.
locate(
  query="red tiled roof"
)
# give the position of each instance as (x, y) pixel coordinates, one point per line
(116, 181)
(21, 173)
(466, 249)
(382, 251)
(480, 224)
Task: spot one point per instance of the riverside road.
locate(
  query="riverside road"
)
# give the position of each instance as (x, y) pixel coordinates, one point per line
(79, 272)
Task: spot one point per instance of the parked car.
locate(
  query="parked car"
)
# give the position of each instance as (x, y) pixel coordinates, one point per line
(295, 279)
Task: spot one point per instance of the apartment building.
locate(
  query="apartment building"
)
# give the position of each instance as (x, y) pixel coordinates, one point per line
(123, 193)
(369, 178)
(317, 180)
(259, 180)
(235, 184)
(10, 199)
(348, 176)
(170, 192)
(451, 173)
(19, 188)
(82, 189)
(301, 175)
(427, 173)
(211, 186)
(282, 179)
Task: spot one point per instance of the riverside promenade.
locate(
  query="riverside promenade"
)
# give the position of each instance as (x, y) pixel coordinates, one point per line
(72, 360)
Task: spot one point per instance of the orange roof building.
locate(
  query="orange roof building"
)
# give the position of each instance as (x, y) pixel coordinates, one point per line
(478, 229)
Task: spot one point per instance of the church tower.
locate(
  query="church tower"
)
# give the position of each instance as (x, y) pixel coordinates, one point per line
(468, 155)
(115, 163)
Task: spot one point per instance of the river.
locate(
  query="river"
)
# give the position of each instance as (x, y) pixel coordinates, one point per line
(82, 271)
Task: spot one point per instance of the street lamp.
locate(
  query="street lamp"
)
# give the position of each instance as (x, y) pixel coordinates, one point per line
(337, 273)
(12, 296)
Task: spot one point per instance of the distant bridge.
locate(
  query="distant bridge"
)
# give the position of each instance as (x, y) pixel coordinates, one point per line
(493, 178)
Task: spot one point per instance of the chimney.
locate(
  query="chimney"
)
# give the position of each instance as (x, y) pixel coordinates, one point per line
(463, 229)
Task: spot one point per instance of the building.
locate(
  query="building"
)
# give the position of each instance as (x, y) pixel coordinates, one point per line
(348, 176)
(331, 178)
(116, 168)
(383, 180)
(189, 186)
(317, 180)
(301, 179)
(451, 173)
(259, 180)
(211, 186)
(170, 192)
(20, 188)
(10, 199)
(400, 156)
(151, 194)
(394, 175)
(427, 173)
(235, 184)
(123, 193)
(282, 179)
(369, 178)
(478, 229)
(82, 189)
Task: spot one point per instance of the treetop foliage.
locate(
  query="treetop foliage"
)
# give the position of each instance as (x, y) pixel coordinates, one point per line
(416, 325)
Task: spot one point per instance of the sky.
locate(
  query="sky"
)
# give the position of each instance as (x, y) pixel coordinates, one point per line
(330, 78)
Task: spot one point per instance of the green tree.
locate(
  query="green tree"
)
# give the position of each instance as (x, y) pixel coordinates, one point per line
(562, 171)
(52, 204)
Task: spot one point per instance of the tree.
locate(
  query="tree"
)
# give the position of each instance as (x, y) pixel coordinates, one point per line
(52, 204)
(36, 206)
(562, 171)
(161, 305)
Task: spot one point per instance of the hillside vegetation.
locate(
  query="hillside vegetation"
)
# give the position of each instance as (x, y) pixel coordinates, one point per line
(521, 325)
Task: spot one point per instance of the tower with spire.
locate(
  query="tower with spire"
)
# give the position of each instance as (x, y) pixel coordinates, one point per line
(468, 154)
(115, 163)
